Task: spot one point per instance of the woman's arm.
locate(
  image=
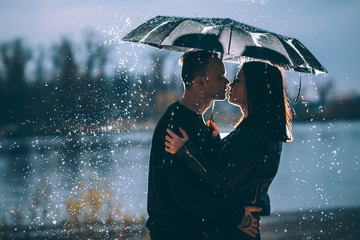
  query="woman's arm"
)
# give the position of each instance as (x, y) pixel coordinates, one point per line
(247, 148)
(193, 159)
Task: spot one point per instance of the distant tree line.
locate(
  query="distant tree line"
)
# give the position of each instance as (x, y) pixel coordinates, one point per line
(327, 107)
(62, 91)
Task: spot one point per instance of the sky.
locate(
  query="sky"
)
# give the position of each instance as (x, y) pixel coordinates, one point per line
(328, 28)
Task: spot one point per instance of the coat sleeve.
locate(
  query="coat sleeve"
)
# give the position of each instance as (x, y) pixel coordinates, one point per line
(202, 202)
(246, 152)
(247, 149)
(196, 163)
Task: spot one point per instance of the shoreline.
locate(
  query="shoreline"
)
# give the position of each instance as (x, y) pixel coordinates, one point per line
(13, 130)
(332, 223)
(323, 224)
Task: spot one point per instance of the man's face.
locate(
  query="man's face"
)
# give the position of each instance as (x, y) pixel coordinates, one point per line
(216, 84)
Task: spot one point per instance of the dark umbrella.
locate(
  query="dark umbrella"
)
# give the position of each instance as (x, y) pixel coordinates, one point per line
(237, 42)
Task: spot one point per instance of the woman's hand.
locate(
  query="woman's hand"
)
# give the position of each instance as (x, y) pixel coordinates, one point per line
(213, 127)
(173, 142)
(250, 224)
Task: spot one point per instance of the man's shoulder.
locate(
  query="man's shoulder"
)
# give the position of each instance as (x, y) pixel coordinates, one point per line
(175, 106)
(169, 117)
(175, 112)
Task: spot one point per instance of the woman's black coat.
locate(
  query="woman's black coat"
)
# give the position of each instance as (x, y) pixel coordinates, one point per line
(247, 164)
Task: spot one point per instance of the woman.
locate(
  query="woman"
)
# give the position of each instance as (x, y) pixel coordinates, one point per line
(250, 154)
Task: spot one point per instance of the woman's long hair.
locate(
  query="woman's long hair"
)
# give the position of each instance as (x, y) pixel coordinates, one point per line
(267, 101)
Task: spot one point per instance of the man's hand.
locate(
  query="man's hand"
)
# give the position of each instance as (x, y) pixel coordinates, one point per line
(250, 224)
(213, 127)
(173, 142)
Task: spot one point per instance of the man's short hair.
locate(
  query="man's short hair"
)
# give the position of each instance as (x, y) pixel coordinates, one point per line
(194, 63)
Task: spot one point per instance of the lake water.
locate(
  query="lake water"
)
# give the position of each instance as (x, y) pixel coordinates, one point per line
(40, 175)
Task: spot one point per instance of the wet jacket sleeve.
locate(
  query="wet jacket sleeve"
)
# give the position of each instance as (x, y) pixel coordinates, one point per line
(247, 149)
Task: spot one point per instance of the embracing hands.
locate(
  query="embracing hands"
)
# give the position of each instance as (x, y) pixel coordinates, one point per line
(173, 142)
(250, 224)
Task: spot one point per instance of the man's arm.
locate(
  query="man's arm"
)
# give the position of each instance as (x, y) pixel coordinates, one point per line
(202, 201)
(197, 198)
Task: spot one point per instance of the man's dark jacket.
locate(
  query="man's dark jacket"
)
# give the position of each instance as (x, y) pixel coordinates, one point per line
(179, 203)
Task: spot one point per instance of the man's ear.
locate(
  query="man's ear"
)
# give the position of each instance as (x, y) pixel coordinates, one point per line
(200, 81)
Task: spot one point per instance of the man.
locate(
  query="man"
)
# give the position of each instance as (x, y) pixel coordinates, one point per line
(180, 206)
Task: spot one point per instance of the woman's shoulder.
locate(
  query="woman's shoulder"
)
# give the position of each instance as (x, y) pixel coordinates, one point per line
(249, 130)
(248, 135)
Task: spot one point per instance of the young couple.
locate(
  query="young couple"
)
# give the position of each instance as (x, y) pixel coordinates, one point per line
(204, 187)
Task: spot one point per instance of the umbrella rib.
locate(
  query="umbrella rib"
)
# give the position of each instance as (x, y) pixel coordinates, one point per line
(148, 34)
(231, 29)
(289, 41)
(177, 24)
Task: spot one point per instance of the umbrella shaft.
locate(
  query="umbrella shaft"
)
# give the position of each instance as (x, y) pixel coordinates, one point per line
(212, 111)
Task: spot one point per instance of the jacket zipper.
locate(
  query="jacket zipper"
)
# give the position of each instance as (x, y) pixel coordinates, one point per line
(191, 156)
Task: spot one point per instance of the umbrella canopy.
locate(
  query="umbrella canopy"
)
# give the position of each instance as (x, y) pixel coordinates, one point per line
(237, 42)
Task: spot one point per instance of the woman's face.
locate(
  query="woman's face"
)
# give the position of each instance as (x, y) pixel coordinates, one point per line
(237, 93)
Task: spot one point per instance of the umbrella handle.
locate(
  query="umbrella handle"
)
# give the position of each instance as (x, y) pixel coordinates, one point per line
(210, 128)
(212, 111)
